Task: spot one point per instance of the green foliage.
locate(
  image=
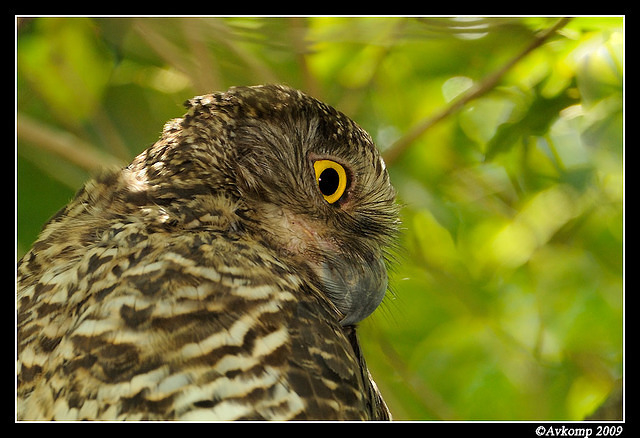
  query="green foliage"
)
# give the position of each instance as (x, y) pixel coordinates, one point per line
(507, 298)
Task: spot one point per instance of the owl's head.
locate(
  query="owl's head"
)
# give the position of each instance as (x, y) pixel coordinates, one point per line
(305, 180)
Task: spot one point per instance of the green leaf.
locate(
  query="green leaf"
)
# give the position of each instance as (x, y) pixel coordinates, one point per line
(66, 65)
(536, 121)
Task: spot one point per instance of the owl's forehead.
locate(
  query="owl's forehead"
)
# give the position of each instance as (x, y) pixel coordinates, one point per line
(279, 103)
(266, 113)
(283, 105)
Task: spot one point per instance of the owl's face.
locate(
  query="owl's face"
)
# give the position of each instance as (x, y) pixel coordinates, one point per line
(309, 183)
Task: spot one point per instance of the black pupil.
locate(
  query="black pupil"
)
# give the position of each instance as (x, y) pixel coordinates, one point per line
(328, 181)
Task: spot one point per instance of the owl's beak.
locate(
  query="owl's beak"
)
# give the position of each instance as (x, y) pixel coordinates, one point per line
(355, 286)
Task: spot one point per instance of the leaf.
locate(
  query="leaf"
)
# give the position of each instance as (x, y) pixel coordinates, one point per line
(66, 65)
(536, 121)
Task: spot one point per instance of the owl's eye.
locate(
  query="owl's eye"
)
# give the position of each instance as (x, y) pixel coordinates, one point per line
(331, 178)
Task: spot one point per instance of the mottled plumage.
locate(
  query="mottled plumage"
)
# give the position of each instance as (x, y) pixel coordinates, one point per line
(210, 279)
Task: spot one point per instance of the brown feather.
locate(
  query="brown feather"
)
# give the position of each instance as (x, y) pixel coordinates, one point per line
(184, 286)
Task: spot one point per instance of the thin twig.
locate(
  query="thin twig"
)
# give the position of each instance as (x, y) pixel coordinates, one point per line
(429, 398)
(63, 144)
(482, 87)
(170, 53)
(298, 29)
(206, 71)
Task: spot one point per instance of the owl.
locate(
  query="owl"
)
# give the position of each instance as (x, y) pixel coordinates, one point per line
(220, 276)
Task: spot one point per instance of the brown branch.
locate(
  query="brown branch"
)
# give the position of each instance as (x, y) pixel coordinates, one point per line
(482, 87)
(63, 144)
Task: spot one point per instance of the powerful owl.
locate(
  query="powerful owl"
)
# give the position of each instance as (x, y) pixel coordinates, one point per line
(219, 276)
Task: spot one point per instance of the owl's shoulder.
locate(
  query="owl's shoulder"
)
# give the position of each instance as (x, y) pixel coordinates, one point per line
(101, 332)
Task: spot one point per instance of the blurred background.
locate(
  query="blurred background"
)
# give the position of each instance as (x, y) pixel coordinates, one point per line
(503, 136)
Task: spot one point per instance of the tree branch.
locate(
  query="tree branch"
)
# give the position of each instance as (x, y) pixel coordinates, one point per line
(63, 144)
(482, 87)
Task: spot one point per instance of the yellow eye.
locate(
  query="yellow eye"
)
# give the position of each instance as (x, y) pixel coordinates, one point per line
(331, 178)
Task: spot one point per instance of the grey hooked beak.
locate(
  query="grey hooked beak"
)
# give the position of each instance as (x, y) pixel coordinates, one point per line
(356, 287)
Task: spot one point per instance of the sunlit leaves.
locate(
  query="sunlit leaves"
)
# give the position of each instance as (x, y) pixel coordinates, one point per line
(507, 293)
(67, 65)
